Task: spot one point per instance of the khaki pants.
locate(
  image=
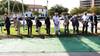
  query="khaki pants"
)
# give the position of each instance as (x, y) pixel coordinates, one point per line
(18, 27)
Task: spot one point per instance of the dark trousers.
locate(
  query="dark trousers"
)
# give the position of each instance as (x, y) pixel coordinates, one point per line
(29, 30)
(92, 27)
(85, 27)
(48, 30)
(66, 28)
(75, 29)
(8, 30)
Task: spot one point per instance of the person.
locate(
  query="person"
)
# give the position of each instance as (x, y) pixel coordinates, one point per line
(85, 19)
(66, 23)
(93, 20)
(75, 24)
(7, 24)
(56, 24)
(18, 24)
(47, 23)
(38, 25)
(29, 13)
(29, 24)
(24, 22)
(15, 22)
(32, 17)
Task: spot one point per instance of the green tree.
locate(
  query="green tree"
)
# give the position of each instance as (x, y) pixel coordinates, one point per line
(82, 10)
(78, 10)
(17, 7)
(57, 8)
(98, 11)
(95, 10)
(36, 13)
(92, 10)
(74, 11)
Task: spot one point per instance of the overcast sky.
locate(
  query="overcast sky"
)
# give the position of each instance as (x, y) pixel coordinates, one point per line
(66, 3)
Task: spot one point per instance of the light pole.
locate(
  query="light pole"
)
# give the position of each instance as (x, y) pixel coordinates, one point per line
(23, 15)
(93, 3)
(22, 8)
(8, 7)
(47, 8)
(34, 5)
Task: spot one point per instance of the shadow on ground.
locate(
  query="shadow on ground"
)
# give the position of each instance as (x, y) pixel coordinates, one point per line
(80, 42)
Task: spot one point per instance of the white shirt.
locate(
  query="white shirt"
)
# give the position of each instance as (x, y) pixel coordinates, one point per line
(93, 18)
(85, 18)
(18, 16)
(56, 19)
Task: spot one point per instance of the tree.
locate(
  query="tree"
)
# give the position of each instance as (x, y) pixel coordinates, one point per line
(95, 10)
(98, 11)
(74, 11)
(17, 7)
(82, 10)
(36, 13)
(57, 8)
(51, 13)
(78, 10)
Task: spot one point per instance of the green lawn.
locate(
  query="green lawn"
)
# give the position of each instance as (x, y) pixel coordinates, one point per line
(34, 33)
(24, 32)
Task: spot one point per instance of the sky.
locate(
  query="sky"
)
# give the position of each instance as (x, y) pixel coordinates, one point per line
(66, 3)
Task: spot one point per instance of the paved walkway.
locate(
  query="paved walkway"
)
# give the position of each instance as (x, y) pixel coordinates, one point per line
(52, 54)
(51, 45)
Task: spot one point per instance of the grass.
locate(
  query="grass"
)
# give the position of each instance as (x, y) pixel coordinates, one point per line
(24, 33)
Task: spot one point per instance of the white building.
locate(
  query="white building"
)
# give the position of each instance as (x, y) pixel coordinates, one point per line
(39, 8)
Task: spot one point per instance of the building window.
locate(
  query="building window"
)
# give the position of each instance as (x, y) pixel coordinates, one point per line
(42, 10)
(43, 15)
(36, 9)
